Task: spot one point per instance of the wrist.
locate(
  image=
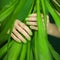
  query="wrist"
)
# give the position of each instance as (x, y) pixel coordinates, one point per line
(49, 28)
(53, 30)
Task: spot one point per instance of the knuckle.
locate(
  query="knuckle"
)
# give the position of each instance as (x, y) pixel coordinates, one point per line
(23, 25)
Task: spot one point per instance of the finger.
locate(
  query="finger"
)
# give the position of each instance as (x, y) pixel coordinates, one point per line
(15, 38)
(48, 19)
(33, 15)
(22, 31)
(31, 19)
(24, 27)
(19, 36)
(34, 27)
(57, 12)
(56, 2)
(31, 23)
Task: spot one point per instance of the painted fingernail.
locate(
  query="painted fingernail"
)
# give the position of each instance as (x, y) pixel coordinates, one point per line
(29, 38)
(30, 26)
(31, 33)
(25, 41)
(30, 15)
(19, 41)
(27, 22)
(26, 19)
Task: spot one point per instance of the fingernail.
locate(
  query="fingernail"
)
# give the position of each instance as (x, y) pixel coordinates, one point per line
(27, 22)
(26, 19)
(29, 38)
(19, 41)
(25, 41)
(31, 33)
(29, 15)
(30, 26)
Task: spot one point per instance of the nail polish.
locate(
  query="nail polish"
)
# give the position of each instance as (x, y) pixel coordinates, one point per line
(19, 41)
(29, 38)
(31, 33)
(30, 26)
(29, 15)
(26, 19)
(25, 41)
(27, 22)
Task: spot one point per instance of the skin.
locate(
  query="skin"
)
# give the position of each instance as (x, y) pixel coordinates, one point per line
(21, 28)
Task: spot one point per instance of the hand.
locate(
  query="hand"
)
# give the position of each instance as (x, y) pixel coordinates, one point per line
(32, 21)
(21, 32)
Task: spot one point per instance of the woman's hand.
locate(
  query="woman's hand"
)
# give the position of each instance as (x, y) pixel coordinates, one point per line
(21, 32)
(32, 21)
(51, 28)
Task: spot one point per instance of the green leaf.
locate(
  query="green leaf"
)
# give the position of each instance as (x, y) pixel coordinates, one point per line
(13, 52)
(42, 37)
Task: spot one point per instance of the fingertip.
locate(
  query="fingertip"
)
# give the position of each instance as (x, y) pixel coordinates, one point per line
(27, 23)
(33, 28)
(19, 41)
(31, 15)
(31, 33)
(25, 41)
(30, 26)
(27, 19)
(29, 39)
